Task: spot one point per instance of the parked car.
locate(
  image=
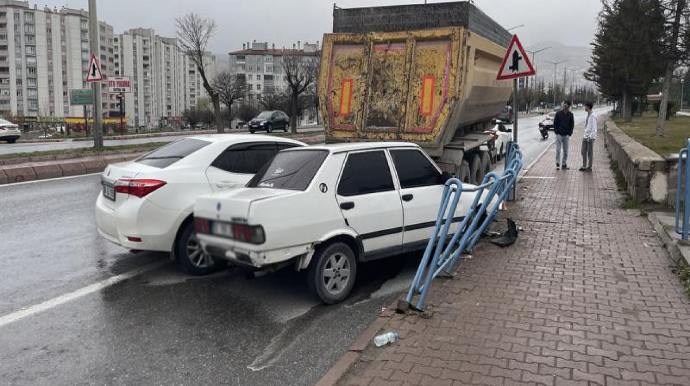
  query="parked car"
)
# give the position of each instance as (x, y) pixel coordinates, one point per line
(547, 121)
(326, 209)
(269, 121)
(9, 131)
(147, 204)
(506, 115)
(502, 135)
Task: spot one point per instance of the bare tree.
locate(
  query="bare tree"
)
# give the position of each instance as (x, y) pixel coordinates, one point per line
(230, 89)
(301, 73)
(193, 33)
(272, 100)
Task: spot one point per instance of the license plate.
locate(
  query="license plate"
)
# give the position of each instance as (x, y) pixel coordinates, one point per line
(109, 192)
(221, 229)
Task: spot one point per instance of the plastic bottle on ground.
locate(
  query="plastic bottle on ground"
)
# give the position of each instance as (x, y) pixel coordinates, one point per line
(385, 339)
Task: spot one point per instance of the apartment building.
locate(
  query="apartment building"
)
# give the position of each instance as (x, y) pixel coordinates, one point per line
(44, 52)
(165, 82)
(261, 66)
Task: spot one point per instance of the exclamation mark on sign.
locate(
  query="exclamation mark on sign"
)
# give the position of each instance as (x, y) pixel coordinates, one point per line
(345, 98)
(427, 104)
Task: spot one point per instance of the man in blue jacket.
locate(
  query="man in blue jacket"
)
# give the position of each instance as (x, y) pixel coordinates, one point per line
(563, 126)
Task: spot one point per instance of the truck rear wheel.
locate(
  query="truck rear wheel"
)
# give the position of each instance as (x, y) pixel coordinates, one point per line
(476, 175)
(463, 172)
(486, 164)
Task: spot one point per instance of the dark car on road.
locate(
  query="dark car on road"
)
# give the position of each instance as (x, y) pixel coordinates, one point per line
(269, 121)
(506, 115)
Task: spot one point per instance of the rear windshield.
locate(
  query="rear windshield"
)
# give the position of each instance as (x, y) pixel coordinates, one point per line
(291, 170)
(169, 154)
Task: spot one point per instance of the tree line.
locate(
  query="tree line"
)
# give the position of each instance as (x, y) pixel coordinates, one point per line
(639, 45)
(228, 93)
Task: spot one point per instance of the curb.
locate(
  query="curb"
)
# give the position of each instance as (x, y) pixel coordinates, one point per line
(44, 170)
(675, 251)
(353, 354)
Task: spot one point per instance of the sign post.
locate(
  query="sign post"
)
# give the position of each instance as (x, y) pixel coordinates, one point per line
(94, 75)
(82, 97)
(120, 86)
(516, 64)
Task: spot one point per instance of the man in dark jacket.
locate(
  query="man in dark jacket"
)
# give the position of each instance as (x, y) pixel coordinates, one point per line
(563, 126)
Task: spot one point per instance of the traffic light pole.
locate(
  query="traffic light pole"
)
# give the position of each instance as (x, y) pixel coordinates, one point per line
(94, 30)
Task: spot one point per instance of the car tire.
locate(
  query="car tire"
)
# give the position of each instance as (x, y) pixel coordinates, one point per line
(340, 260)
(13, 140)
(501, 153)
(190, 256)
(286, 127)
(475, 169)
(269, 128)
(251, 131)
(463, 172)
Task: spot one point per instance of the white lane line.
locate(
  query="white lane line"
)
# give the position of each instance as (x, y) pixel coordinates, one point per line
(60, 300)
(49, 179)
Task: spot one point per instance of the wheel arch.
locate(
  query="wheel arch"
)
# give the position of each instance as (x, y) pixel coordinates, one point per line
(352, 240)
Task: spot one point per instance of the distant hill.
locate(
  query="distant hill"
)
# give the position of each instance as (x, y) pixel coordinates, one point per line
(576, 58)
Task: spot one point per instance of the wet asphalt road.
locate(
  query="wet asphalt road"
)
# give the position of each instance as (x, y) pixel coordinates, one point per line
(162, 327)
(22, 147)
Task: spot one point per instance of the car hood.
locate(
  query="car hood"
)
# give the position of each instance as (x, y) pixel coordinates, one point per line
(235, 205)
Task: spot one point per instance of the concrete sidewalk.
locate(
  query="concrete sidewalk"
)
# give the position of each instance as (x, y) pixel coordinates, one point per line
(585, 297)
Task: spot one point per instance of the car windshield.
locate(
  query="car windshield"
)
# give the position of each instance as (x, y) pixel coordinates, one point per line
(169, 154)
(552, 115)
(292, 170)
(264, 115)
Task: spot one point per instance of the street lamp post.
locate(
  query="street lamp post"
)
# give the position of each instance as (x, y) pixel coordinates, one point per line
(555, 70)
(534, 63)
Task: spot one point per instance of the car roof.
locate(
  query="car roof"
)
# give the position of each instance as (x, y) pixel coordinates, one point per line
(240, 138)
(357, 146)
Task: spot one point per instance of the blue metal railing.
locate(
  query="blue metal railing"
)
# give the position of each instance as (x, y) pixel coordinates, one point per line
(683, 165)
(441, 256)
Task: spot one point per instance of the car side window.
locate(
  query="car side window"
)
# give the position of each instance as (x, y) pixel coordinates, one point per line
(245, 158)
(365, 173)
(414, 169)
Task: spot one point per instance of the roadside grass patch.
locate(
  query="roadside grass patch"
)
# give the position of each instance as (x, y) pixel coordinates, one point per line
(683, 271)
(86, 152)
(642, 130)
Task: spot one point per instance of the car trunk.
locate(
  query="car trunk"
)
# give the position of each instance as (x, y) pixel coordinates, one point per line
(115, 172)
(234, 206)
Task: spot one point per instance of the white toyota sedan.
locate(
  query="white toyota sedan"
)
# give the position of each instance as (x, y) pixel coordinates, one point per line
(9, 131)
(326, 209)
(147, 204)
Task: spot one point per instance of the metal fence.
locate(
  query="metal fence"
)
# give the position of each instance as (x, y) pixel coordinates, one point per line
(682, 190)
(441, 254)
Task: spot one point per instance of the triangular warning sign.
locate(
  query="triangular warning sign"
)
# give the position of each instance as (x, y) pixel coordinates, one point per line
(94, 73)
(516, 64)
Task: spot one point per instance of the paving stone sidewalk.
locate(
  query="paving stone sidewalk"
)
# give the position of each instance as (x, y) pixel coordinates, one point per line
(585, 297)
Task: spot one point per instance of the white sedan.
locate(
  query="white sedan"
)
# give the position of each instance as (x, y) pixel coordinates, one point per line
(502, 135)
(147, 204)
(9, 131)
(325, 209)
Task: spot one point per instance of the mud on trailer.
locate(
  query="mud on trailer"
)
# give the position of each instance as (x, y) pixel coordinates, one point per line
(422, 73)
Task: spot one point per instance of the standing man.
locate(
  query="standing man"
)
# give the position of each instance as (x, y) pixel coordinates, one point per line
(563, 126)
(588, 139)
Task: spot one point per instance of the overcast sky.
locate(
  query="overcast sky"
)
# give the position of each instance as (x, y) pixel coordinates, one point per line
(283, 22)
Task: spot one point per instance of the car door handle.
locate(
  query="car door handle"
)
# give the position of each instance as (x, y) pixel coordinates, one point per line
(347, 205)
(407, 197)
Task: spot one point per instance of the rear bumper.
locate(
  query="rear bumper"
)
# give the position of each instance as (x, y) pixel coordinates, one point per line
(250, 255)
(156, 227)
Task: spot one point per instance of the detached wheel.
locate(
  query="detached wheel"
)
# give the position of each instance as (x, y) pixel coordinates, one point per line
(191, 257)
(251, 131)
(332, 273)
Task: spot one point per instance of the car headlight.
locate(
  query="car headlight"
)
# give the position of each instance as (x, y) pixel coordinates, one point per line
(262, 122)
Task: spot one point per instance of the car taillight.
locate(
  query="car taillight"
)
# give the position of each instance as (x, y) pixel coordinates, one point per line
(248, 233)
(139, 188)
(202, 226)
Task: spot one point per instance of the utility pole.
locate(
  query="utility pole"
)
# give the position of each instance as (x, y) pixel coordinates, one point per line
(534, 62)
(94, 29)
(555, 70)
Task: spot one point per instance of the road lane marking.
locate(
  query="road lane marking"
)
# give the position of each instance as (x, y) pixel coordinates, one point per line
(60, 300)
(49, 179)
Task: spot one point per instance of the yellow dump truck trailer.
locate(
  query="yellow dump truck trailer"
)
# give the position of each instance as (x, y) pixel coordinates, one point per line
(422, 73)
